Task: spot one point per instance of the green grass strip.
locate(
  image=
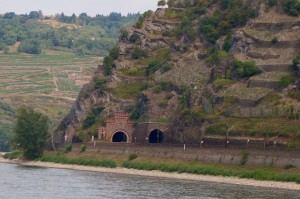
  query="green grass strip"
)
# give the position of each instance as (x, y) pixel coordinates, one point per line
(78, 161)
(257, 174)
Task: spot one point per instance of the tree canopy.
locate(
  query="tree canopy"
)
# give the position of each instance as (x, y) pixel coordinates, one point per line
(31, 132)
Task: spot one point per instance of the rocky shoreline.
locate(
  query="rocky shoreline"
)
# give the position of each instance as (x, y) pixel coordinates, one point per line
(181, 176)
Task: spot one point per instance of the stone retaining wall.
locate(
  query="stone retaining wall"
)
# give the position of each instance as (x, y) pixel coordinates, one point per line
(269, 157)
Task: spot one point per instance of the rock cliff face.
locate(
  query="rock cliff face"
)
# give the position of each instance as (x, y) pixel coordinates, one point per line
(166, 72)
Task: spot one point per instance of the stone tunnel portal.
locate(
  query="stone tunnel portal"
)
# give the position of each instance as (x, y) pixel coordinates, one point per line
(119, 136)
(156, 136)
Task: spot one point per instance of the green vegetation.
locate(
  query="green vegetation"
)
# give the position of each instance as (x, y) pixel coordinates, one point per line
(82, 148)
(295, 95)
(296, 61)
(244, 158)
(138, 53)
(92, 117)
(286, 80)
(134, 38)
(141, 19)
(78, 161)
(232, 13)
(108, 64)
(68, 148)
(292, 7)
(245, 69)
(128, 90)
(132, 156)
(222, 83)
(31, 132)
(257, 174)
(157, 65)
(13, 155)
(77, 34)
(258, 126)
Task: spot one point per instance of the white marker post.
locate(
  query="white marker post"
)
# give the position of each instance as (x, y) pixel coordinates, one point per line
(201, 143)
(66, 139)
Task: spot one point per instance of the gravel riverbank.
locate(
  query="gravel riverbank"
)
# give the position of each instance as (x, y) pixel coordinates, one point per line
(183, 176)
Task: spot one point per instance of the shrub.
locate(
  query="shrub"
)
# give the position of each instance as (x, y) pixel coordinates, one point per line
(108, 64)
(82, 148)
(295, 95)
(292, 145)
(286, 80)
(296, 61)
(124, 34)
(274, 40)
(114, 53)
(244, 158)
(100, 84)
(134, 38)
(245, 69)
(161, 3)
(292, 7)
(68, 148)
(257, 174)
(156, 65)
(79, 161)
(13, 155)
(272, 2)
(138, 53)
(30, 47)
(228, 42)
(221, 83)
(132, 156)
(92, 117)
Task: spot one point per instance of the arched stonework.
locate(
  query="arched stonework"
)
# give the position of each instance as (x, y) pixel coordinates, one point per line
(119, 123)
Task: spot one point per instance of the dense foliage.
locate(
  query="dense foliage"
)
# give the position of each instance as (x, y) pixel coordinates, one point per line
(245, 69)
(31, 132)
(92, 117)
(79, 34)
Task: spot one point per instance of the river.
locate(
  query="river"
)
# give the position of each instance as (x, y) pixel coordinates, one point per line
(19, 182)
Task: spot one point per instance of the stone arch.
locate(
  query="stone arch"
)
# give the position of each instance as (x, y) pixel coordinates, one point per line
(120, 136)
(156, 136)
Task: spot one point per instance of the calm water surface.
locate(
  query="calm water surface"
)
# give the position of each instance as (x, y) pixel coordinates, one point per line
(17, 182)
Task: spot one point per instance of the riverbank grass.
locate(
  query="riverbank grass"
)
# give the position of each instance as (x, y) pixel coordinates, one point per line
(287, 174)
(257, 174)
(78, 161)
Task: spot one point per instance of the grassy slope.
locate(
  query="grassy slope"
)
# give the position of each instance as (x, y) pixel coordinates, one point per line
(46, 82)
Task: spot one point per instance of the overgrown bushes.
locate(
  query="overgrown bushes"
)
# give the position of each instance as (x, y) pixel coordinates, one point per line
(78, 161)
(286, 80)
(245, 69)
(91, 118)
(257, 174)
(157, 65)
(138, 53)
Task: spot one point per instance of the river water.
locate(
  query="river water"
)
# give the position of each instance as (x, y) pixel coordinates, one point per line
(19, 182)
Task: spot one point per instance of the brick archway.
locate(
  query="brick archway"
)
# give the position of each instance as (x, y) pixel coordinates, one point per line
(120, 136)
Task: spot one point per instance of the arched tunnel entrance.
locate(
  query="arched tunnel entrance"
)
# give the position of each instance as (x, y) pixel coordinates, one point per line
(156, 136)
(119, 137)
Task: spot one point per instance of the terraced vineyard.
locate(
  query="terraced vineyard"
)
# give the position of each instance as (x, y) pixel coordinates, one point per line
(48, 82)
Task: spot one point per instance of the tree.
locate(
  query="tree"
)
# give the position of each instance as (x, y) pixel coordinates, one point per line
(34, 15)
(9, 15)
(31, 132)
(161, 3)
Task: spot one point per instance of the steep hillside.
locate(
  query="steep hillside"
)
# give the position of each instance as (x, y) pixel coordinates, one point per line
(44, 61)
(211, 68)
